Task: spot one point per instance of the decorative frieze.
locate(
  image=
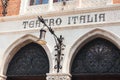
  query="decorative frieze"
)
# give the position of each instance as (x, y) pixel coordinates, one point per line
(58, 76)
(93, 18)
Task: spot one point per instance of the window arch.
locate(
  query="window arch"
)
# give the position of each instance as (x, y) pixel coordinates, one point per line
(94, 33)
(97, 59)
(97, 56)
(30, 60)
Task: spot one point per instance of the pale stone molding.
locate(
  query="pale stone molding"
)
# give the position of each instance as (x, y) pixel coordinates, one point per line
(2, 77)
(97, 32)
(16, 46)
(58, 76)
(50, 5)
(23, 6)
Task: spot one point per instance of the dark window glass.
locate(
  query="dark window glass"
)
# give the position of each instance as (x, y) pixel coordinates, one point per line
(44, 1)
(59, 0)
(97, 56)
(30, 60)
(31, 2)
(37, 2)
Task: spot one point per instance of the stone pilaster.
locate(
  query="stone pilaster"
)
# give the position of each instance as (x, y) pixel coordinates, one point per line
(58, 76)
(2, 77)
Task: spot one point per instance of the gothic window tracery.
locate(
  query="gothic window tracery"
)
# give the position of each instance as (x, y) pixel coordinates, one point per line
(30, 60)
(97, 56)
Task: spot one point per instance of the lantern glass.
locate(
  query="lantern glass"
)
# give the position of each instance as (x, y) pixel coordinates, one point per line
(42, 37)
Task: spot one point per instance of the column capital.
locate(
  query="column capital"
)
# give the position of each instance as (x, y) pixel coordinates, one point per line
(58, 76)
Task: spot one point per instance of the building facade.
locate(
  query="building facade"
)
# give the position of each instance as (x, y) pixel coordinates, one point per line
(90, 49)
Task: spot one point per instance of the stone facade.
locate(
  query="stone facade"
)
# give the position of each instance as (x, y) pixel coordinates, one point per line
(58, 77)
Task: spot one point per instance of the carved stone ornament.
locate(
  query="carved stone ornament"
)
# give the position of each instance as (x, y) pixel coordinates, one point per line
(58, 77)
(97, 56)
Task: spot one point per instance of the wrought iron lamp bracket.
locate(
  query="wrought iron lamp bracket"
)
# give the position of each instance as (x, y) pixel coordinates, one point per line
(58, 47)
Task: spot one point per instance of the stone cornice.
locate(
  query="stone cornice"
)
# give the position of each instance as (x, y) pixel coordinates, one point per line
(69, 12)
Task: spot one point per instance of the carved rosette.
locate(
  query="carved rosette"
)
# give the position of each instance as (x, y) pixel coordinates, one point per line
(58, 76)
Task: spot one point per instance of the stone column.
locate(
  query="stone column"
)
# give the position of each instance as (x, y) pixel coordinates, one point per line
(58, 76)
(2, 77)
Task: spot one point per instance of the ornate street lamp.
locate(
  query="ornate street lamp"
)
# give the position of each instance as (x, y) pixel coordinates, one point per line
(4, 6)
(59, 43)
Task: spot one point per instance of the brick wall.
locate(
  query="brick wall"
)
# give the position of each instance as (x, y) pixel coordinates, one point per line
(116, 1)
(13, 7)
(0, 9)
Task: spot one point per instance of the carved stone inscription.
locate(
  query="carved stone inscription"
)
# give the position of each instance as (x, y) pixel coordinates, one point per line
(66, 20)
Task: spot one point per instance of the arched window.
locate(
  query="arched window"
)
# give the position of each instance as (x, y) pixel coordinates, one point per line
(36, 2)
(99, 59)
(29, 63)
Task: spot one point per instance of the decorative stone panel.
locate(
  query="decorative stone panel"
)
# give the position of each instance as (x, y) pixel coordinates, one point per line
(58, 76)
